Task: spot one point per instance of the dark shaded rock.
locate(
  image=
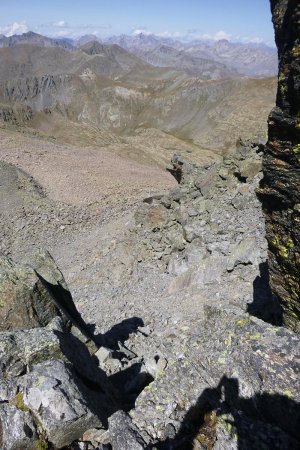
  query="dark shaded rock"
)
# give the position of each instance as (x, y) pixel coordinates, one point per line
(24, 301)
(32, 295)
(280, 187)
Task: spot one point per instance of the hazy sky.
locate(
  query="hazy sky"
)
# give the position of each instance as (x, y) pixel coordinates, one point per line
(244, 20)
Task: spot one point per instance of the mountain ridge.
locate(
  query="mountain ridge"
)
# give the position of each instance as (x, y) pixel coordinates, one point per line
(248, 59)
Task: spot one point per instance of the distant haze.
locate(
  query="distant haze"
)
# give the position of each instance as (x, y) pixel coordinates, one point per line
(234, 20)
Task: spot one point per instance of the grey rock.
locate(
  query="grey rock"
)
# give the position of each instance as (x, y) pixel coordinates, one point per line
(124, 435)
(233, 364)
(96, 436)
(250, 168)
(209, 270)
(154, 366)
(176, 266)
(245, 252)
(18, 431)
(46, 374)
(58, 400)
(103, 354)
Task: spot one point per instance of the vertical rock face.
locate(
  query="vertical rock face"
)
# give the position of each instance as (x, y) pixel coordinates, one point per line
(280, 187)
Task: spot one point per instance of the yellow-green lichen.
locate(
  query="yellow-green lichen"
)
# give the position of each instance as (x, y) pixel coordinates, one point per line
(283, 248)
(18, 401)
(296, 51)
(222, 360)
(288, 394)
(225, 423)
(255, 337)
(283, 252)
(290, 243)
(296, 149)
(41, 445)
(276, 241)
(243, 322)
(283, 89)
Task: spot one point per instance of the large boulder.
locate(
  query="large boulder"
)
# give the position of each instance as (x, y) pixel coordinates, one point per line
(24, 300)
(50, 388)
(32, 294)
(124, 434)
(225, 386)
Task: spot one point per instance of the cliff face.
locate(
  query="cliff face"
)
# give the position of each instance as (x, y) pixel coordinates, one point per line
(280, 187)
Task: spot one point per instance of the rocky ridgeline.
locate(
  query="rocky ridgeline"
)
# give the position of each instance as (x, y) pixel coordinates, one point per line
(225, 370)
(206, 235)
(213, 215)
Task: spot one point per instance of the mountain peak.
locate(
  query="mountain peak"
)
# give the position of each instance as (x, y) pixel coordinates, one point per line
(92, 48)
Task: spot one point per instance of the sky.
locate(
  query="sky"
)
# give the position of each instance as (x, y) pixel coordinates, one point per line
(235, 20)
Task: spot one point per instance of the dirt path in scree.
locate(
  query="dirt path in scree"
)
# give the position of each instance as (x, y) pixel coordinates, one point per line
(77, 175)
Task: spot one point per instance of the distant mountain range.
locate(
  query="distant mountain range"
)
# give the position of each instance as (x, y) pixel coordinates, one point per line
(91, 91)
(247, 59)
(34, 38)
(210, 60)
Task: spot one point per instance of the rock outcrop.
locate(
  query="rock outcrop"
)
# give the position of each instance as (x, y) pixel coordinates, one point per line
(280, 187)
(232, 374)
(24, 300)
(51, 389)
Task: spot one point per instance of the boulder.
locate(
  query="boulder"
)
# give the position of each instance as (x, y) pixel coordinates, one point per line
(245, 252)
(24, 300)
(59, 401)
(124, 434)
(17, 428)
(50, 387)
(235, 373)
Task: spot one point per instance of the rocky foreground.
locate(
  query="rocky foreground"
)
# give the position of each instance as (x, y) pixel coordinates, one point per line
(174, 341)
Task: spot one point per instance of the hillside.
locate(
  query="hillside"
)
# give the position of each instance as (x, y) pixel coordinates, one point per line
(101, 94)
(165, 56)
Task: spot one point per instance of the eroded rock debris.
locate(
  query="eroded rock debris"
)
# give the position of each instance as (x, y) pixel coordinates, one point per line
(201, 358)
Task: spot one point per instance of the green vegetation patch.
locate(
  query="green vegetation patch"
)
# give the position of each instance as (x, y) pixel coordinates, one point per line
(18, 401)
(42, 445)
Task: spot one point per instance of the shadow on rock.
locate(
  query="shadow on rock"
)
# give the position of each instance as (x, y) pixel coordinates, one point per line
(92, 381)
(106, 395)
(129, 383)
(64, 301)
(121, 332)
(265, 305)
(221, 415)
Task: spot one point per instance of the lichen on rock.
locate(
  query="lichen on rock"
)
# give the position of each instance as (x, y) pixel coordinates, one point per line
(280, 187)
